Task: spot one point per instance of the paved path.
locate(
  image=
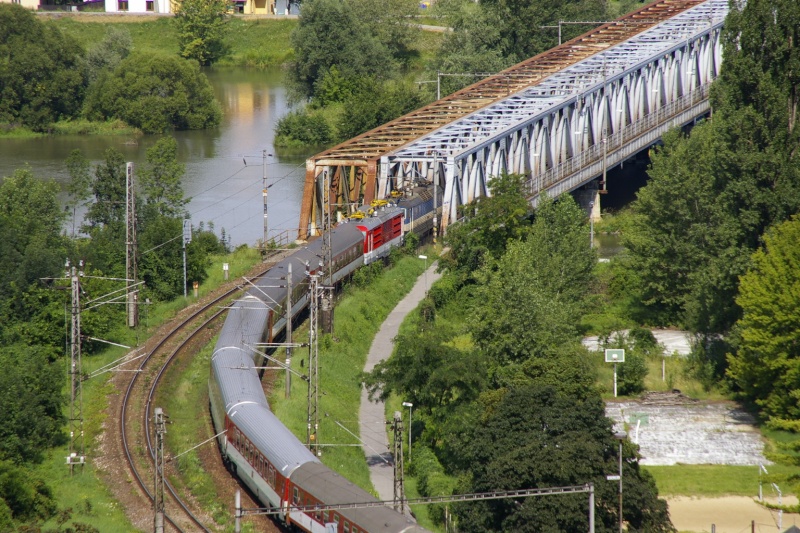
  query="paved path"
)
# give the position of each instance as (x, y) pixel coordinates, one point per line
(372, 417)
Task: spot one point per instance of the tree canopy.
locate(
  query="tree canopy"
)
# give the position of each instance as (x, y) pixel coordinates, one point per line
(360, 38)
(42, 78)
(535, 437)
(738, 175)
(766, 366)
(155, 93)
(202, 29)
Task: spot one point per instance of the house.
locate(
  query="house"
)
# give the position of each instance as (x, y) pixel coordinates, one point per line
(138, 6)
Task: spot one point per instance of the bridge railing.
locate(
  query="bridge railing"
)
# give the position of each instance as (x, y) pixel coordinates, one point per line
(588, 164)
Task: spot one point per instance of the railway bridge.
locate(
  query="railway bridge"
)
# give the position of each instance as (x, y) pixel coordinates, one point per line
(561, 118)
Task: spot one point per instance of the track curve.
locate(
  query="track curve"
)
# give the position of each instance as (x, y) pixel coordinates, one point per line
(136, 405)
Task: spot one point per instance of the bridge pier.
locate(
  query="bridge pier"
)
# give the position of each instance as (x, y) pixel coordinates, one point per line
(588, 198)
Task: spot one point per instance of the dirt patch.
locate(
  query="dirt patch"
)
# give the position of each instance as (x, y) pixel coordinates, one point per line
(729, 514)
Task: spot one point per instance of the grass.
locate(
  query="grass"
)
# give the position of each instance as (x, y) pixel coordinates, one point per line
(87, 127)
(259, 43)
(710, 480)
(358, 315)
(85, 493)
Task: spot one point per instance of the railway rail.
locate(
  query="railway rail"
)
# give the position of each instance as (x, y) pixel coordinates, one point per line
(137, 407)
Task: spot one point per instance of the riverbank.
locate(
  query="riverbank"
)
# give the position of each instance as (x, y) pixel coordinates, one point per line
(253, 42)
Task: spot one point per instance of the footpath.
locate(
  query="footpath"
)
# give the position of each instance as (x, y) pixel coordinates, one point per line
(372, 415)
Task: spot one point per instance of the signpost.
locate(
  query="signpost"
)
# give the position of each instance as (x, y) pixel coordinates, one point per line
(615, 355)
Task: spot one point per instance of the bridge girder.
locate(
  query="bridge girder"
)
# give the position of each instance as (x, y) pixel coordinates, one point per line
(593, 101)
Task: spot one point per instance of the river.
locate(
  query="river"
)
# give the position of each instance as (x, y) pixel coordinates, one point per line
(224, 170)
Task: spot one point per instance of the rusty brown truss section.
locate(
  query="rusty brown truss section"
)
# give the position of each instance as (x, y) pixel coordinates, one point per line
(353, 164)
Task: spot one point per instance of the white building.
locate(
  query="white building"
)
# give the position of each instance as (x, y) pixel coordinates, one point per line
(138, 6)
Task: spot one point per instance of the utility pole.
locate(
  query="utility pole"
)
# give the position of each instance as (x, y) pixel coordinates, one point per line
(76, 444)
(187, 238)
(326, 301)
(289, 330)
(130, 247)
(264, 193)
(312, 421)
(158, 493)
(399, 487)
(435, 196)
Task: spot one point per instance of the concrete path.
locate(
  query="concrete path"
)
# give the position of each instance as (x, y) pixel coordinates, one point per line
(372, 417)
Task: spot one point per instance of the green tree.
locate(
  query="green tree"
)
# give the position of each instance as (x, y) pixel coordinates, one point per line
(488, 224)
(302, 128)
(522, 21)
(374, 104)
(475, 46)
(23, 497)
(160, 179)
(202, 29)
(535, 437)
(766, 366)
(351, 35)
(156, 94)
(106, 55)
(41, 72)
(31, 248)
(30, 402)
(529, 305)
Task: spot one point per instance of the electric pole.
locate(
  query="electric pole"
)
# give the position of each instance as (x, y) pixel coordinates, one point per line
(264, 194)
(130, 248)
(289, 330)
(326, 301)
(312, 422)
(399, 487)
(76, 444)
(158, 493)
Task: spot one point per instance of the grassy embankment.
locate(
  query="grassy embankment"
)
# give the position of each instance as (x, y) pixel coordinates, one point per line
(359, 313)
(84, 492)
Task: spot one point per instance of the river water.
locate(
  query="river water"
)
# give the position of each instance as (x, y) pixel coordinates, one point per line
(224, 169)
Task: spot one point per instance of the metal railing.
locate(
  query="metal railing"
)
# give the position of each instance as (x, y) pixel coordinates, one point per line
(620, 145)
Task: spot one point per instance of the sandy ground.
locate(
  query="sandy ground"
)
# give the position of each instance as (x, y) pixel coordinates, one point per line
(730, 514)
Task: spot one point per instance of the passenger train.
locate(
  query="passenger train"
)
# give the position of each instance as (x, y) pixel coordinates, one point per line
(280, 471)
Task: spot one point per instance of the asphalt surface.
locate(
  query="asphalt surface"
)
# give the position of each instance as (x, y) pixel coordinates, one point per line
(372, 415)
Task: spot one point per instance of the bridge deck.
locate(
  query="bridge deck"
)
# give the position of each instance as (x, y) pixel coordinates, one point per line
(390, 136)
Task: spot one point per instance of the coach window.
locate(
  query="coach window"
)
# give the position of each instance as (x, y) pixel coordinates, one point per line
(272, 475)
(295, 496)
(346, 526)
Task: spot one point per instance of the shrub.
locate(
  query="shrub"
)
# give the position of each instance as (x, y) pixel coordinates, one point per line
(300, 129)
(155, 94)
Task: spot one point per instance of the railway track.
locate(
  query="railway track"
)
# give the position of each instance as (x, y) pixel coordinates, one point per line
(137, 408)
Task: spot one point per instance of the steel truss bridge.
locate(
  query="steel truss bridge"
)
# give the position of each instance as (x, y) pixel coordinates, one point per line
(561, 118)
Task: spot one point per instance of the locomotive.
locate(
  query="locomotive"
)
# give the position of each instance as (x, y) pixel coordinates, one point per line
(279, 470)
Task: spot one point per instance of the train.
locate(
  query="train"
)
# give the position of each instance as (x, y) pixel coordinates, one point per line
(280, 471)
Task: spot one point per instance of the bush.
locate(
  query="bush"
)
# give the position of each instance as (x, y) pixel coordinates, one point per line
(155, 94)
(301, 129)
(444, 290)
